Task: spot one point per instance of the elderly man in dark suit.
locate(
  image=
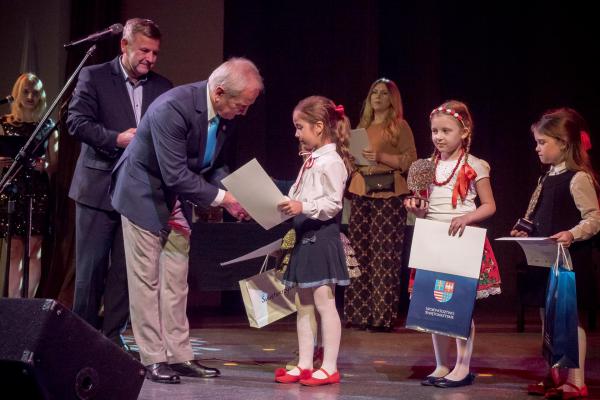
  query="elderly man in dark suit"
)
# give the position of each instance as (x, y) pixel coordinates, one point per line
(175, 162)
(106, 107)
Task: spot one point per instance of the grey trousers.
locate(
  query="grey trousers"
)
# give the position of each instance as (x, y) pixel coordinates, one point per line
(157, 269)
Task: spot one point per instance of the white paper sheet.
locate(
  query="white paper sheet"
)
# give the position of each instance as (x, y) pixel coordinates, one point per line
(257, 193)
(434, 250)
(261, 252)
(539, 251)
(359, 140)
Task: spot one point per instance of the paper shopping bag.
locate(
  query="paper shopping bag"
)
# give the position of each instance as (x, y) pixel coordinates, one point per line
(266, 298)
(560, 346)
(442, 303)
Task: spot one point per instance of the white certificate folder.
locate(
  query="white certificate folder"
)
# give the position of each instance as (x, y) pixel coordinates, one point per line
(261, 252)
(539, 251)
(257, 193)
(359, 140)
(434, 250)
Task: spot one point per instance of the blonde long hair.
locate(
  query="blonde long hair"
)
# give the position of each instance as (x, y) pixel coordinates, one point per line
(17, 114)
(394, 116)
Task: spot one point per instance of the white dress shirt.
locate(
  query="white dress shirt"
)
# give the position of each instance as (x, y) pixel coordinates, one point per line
(320, 187)
(135, 92)
(211, 114)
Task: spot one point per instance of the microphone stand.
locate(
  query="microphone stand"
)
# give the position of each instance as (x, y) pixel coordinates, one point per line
(25, 159)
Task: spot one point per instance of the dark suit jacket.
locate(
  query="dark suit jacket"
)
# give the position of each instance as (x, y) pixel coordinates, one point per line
(99, 110)
(164, 162)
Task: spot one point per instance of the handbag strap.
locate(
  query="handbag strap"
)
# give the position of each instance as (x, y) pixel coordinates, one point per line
(535, 197)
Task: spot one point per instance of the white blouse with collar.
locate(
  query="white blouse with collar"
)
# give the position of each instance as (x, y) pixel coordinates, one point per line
(320, 187)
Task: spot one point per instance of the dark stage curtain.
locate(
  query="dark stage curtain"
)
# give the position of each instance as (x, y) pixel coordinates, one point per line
(509, 65)
(301, 48)
(58, 263)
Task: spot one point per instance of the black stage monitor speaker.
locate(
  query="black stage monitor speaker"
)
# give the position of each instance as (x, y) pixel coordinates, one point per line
(47, 352)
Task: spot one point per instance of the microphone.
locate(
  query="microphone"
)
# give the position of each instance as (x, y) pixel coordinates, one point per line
(114, 29)
(8, 99)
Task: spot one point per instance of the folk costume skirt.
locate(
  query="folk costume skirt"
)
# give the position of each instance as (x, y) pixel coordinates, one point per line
(489, 275)
(376, 232)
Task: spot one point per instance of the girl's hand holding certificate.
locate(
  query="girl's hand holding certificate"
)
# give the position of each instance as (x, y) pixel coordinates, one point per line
(290, 207)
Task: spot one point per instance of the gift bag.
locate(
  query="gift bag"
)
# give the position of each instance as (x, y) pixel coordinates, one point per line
(266, 298)
(442, 304)
(560, 346)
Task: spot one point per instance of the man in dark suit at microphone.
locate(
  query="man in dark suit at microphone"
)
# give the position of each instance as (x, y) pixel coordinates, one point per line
(175, 161)
(106, 107)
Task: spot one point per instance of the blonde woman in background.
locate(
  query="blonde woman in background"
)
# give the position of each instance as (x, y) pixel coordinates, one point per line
(378, 216)
(26, 110)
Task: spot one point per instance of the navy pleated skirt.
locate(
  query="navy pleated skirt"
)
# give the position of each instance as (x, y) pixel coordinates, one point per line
(318, 255)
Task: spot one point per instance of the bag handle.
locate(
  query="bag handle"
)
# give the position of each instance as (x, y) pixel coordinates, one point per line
(265, 263)
(562, 254)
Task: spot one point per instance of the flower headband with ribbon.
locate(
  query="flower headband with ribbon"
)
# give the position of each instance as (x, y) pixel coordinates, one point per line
(450, 112)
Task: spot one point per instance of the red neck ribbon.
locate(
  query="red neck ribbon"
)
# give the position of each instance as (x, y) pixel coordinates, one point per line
(465, 175)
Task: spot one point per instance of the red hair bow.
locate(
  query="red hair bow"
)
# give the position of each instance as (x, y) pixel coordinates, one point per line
(585, 141)
(339, 109)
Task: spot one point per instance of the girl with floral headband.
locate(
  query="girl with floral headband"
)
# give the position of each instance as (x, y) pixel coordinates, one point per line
(566, 210)
(459, 179)
(317, 262)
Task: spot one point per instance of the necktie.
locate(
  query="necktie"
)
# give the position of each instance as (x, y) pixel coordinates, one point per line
(211, 140)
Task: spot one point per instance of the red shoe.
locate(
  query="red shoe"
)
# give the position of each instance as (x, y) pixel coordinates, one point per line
(551, 381)
(312, 381)
(282, 376)
(557, 393)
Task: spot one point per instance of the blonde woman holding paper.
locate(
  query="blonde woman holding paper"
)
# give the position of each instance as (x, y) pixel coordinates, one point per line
(377, 215)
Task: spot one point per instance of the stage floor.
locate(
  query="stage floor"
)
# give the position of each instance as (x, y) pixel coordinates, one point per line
(373, 365)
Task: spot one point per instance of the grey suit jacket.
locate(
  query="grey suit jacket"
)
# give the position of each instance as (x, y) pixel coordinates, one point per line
(99, 110)
(164, 161)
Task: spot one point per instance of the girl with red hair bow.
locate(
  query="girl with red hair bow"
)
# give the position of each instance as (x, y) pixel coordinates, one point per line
(318, 263)
(567, 211)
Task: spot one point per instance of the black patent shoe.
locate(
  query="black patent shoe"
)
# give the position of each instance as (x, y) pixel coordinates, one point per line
(431, 380)
(447, 383)
(161, 372)
(194, 369)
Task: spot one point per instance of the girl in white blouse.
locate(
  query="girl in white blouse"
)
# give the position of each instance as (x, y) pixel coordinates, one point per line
(318, 262)
(459, 178)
